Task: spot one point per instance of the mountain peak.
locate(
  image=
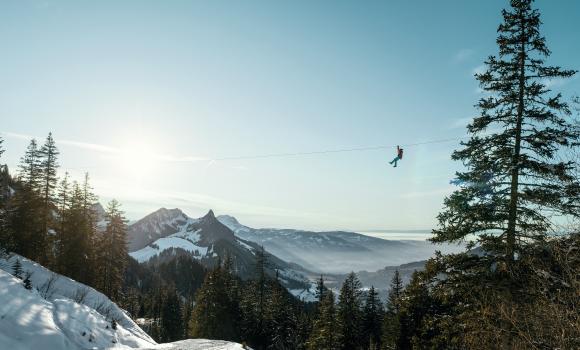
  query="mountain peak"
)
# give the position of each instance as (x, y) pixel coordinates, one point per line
(167, 212)
(209, 217)
(161, 223)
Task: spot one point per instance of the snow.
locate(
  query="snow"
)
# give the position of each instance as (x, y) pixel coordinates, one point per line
(183, 240)
(307, 295)
(30, 319)
(245, 245)
(199, 344)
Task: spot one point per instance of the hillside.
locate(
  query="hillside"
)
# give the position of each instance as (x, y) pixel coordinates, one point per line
(59, 313)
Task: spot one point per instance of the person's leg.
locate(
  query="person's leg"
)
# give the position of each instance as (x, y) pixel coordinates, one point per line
(395, 161)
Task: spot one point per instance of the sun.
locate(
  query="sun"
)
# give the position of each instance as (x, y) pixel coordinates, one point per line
(137, 161)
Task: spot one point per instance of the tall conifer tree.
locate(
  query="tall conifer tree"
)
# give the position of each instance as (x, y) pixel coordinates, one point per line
(350, 312)
(112, 255)
(30, 167)
(513, 182)
(6, 239)
(326, 331)
(395, 293)
(372, 320)
(391, 322)
(171, 317)
(25, 219)
(212, 317)
(48, 154)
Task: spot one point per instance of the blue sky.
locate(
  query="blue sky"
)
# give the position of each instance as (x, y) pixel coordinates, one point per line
(139, 93)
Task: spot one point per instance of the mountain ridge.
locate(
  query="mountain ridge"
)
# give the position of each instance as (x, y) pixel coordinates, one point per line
(209, 241)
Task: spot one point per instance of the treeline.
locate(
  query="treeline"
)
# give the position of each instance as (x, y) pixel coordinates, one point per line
(160, 293)
(264, 315)
(54, 221)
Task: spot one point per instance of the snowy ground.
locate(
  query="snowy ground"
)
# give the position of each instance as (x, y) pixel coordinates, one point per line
(198, 344)
(59, 313)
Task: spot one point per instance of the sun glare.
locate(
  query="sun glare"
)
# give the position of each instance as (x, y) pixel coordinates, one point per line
(137, 161)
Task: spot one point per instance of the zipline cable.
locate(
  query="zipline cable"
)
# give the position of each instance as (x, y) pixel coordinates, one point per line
(296, 154)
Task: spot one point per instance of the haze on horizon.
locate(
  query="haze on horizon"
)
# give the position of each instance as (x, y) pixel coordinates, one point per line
(143, 95)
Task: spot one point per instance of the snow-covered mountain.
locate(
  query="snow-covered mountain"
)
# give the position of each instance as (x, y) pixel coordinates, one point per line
(335, 251)
(158, 224)
(167, 232)
(59, 313)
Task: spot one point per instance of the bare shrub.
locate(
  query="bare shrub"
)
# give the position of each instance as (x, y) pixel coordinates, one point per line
(80, 294)
(103, 307)
(46, 290)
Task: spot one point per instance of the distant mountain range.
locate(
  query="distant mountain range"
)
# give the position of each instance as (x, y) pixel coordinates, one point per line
(336, 251)
(169, 231)
(297, 255)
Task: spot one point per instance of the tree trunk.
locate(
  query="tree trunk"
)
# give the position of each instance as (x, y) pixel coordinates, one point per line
(512, 218)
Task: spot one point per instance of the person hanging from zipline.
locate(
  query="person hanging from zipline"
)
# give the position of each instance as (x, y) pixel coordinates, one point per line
(398, 157)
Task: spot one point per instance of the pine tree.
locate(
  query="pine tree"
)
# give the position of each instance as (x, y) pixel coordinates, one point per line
(25, 213)
(326, 331)
(280, 318)
(27, 282)
(63, 206)
(77, 242)
(350, 313)
(372, 320)
(187, 316)
(320, 289)
(30, 167)
(112, 257)
(93, 238)
(261, 283)
(171, 318)
(513, 182)
(48, 166)
(395, 294)
(17, 269)
(391, 321)
(253, 304)
(6, 237)
(212, 317)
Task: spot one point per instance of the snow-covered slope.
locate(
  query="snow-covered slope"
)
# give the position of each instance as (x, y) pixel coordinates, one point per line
(59, 313)
(159, 224)
(199, 344)
(335, 251)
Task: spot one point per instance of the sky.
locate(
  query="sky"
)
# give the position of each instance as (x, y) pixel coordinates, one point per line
(145, 95)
